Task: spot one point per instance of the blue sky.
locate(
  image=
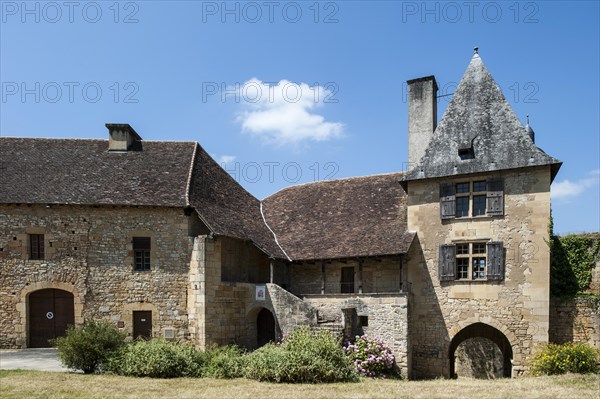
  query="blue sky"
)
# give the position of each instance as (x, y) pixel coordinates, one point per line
(292, 92)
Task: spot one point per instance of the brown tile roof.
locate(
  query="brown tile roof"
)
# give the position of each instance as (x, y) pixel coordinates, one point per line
(84, 172)
(75, 171)
(361, 216)
(331, 219)
(225, 207)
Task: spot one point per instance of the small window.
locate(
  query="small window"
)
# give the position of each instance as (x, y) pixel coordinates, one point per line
(479, 205)
(478, 248)
(479, 186)
(347, 280)
(364, 321)
(462, 268)
(473, 255)
(141, 253)
(36, 246)
(462, 188)
(462, 249)
(478, 268)
(472, 199)
(466, 153)
(462, 207)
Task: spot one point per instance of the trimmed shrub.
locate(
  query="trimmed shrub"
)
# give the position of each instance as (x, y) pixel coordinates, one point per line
(224, 362)
(89, 347)
(566, 358)
(302, 357)
(158, 358)
(370, 356)
(267, 363)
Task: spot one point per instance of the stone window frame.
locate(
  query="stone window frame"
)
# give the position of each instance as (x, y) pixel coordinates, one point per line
(468, 253)
(36, 246)
(463, 194)
(142, 248)
(24, 243)
(452, 254)
(130, 259)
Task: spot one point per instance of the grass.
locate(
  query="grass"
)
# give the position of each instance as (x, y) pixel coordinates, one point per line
(39, 384)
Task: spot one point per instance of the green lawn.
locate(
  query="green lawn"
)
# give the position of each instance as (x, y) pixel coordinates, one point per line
(37, 384)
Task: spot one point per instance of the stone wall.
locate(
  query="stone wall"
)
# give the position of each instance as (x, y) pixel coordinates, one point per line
(478, 358)
(88, 252)
(224, 312)
(289, 310)
(380, 275)
(518, 306)
(594, 288)
(241, 261)
(383, 316)
(575, 320)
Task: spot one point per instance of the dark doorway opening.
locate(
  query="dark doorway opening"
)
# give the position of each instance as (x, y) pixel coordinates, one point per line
(142, 324)
(265, 327)
(347, 280)
(481, 330)
(51, 312)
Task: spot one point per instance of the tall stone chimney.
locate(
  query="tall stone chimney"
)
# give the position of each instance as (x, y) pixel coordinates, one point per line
(122, 137)
(422, 116)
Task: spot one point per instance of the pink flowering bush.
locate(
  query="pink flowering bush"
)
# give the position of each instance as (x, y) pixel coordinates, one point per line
(370, 356)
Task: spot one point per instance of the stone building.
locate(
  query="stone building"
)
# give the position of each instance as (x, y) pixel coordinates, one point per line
(157, 238)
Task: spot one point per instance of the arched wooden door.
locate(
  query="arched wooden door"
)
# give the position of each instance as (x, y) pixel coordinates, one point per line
(51, 311)
(265, 327)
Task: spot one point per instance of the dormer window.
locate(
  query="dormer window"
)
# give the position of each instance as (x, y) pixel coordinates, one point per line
(466, 153)
(472, 198)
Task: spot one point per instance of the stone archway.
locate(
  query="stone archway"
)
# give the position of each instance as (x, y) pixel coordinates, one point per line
(265, 327)
(50, 312)
(23, 307)
(479, 333)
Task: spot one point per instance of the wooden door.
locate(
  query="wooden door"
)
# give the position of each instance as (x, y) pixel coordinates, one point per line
(51, 312)
(347, 280)
(142, 324)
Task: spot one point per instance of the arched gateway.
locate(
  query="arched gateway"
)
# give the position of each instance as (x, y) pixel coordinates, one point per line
(50, 312)
(481, 330)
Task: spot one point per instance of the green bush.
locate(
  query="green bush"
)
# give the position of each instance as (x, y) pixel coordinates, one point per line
(157, 358)
(566, 358)
(89, 347)
(371, 357)
(302, 357)
(572, 259)
(223, 362)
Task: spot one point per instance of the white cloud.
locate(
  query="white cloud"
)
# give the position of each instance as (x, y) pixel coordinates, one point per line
(225, 159)
(284, 112)
(566, 188)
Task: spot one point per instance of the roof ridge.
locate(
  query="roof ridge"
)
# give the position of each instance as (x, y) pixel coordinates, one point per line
(189, 179)
(272, 232)
(327, 181)
(92, 139)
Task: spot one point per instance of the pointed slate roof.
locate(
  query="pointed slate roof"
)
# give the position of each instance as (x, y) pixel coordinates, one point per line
(480, 124)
